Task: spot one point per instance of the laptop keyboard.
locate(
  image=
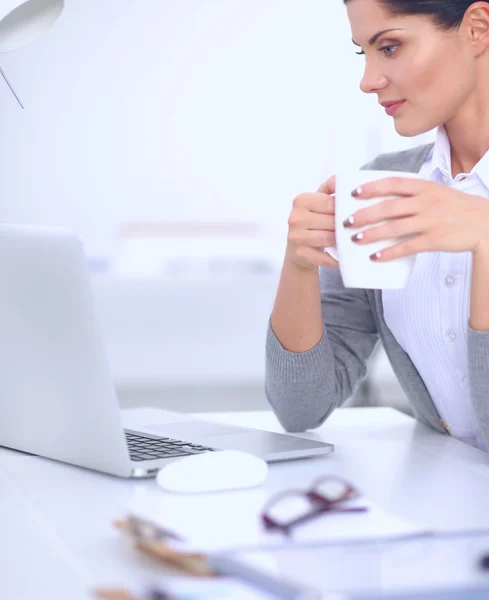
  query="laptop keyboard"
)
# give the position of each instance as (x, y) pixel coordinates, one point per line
(148, 448)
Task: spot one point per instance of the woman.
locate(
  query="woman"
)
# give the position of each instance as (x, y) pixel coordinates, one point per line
(428, 63)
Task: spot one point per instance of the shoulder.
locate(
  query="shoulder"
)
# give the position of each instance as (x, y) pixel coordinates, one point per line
(407, 160)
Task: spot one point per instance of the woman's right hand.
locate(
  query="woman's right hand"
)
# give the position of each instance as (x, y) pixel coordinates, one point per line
(312, 228)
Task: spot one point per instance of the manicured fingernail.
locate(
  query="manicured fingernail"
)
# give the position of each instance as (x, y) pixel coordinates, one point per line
(376, 256)
(349, 222)
(357, 237)
(356, 192)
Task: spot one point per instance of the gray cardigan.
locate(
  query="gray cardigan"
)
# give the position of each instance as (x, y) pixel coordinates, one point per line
(304, 388)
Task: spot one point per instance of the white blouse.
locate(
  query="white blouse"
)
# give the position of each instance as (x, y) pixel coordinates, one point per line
(429, 318)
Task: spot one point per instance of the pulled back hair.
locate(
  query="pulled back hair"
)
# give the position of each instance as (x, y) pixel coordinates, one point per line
(446, 14)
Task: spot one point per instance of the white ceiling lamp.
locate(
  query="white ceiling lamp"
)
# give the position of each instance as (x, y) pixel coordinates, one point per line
(22, 22)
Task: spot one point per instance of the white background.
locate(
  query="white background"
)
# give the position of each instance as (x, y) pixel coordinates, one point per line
(171, 110)
(197, 111)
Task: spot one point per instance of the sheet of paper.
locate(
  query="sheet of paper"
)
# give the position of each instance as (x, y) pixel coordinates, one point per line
(232, 521)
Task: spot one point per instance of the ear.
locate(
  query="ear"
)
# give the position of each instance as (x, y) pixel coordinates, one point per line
(476, 24)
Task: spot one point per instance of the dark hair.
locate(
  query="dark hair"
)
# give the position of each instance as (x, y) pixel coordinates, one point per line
(447, 14)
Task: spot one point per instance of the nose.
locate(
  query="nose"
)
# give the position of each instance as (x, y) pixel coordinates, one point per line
(372, 80)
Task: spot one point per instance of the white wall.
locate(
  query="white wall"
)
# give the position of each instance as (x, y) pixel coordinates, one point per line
(182, 110)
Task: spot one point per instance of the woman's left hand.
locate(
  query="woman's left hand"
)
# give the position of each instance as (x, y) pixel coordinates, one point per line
(437, 218)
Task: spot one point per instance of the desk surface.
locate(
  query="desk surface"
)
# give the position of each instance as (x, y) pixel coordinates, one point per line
(56, 519)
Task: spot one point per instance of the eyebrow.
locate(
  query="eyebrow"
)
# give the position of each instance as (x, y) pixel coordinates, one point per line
(375, 37)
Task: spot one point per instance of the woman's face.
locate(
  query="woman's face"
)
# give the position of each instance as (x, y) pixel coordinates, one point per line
(431, 71)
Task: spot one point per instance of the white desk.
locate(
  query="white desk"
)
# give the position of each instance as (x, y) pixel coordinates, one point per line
(55, 520)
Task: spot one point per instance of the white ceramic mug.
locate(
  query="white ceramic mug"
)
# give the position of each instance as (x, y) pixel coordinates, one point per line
(357, 269)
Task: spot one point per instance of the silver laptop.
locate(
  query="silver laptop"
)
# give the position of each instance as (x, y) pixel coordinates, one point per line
(57, 398)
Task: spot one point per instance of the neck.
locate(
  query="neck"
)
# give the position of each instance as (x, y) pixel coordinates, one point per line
(468, 131)
(467, 149)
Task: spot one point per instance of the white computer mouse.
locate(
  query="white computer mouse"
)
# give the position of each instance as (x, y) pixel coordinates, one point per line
(213, 472)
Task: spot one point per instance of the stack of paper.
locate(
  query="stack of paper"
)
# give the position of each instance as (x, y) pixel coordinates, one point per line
(232, 521)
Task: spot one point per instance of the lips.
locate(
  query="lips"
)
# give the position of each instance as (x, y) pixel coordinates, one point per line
(392, 107)
(388, 104)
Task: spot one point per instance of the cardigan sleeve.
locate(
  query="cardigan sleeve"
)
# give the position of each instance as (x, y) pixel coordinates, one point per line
(478, 354)
(304, 388)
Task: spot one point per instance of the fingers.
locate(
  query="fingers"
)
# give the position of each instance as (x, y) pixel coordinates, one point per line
(312, 227)
(304, 219)
(312, 239)
(328, 187)
(393, 186)
(318, 203)
(383, 211)
(392, 229)
(414, 245)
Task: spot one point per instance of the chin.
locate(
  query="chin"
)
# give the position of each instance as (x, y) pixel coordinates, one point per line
(411, 128)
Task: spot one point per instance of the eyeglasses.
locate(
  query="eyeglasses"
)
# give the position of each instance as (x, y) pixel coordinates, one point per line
(293, 507)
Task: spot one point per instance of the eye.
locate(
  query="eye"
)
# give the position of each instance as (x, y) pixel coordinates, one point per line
(360, 53)
(389, 50)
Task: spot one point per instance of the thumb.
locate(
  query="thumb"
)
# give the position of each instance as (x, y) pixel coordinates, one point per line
(328, 187)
